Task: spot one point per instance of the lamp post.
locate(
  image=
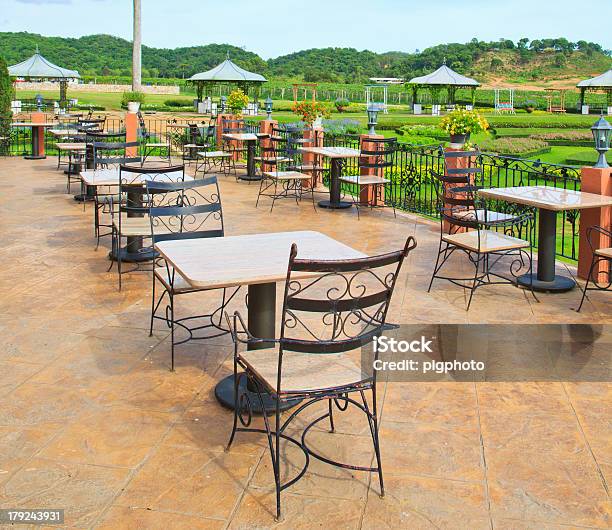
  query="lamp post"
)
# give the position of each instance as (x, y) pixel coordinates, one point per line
(223, 101)
(39, 102)
(268, 103)
(373, 111)
(602, 131)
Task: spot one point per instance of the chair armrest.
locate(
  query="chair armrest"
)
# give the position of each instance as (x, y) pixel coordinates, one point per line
(233, 322)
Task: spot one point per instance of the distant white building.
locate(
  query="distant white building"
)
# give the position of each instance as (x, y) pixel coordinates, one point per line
(387, 80)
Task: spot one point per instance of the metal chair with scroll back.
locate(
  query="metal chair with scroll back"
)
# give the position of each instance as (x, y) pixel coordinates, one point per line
(378, 156)
(191, 210)
(109, 155)
(131, 219)
(277, 180)
(150, 144)
(600, 255)
(487, 238)
(331, 310)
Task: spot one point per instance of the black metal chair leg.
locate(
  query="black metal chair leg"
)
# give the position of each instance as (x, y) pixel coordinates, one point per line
(172, 330)
(331, 415)
(593, 262)
(152, 305)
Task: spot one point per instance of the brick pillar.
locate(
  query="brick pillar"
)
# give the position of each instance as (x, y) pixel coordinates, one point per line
(265, 127)
(39, 117)
(598, 181)
(310, 159)
(131, 133)
(366, 193)
(220, 118)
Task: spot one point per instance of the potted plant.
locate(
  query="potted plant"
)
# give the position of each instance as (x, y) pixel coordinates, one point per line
(132, 101)
(530, 106)
(237, 101)
(311, 112)
(461, 123)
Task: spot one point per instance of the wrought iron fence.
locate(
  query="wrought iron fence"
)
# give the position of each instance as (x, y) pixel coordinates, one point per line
(413, 188)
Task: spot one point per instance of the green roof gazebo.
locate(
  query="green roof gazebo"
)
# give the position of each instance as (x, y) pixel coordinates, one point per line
(37, 67)
(227, 72)
(600, 83)
(443, 77)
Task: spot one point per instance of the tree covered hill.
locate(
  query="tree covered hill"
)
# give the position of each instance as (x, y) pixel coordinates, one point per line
(525, 60)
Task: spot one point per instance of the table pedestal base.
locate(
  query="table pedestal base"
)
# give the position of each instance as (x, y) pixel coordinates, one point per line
(249, 178)
(224, 392)
(559, 284)
(341, 205)
(134, 257)
(35, 157)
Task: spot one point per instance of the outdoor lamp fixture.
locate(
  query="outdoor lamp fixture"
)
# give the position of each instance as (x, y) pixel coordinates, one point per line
(373, 111)
(39, 101)
(602, 131)
(268, 103)
(223, 101)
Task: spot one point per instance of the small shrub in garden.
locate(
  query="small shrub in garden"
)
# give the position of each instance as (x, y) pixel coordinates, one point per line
(346, 126)
(341, 104)
(236, 101)
(309, 111)
(515, 146)
(462, 121)
(176, 103)
(126, 97)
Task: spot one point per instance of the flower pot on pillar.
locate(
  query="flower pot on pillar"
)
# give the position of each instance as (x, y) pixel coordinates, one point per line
(457, 141)
(133, 106)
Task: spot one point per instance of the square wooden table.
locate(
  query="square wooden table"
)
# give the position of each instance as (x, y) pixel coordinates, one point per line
(336, 155)
(549, 201)
(258, 261)
(38, 138)
(250, 139)
(94, 178)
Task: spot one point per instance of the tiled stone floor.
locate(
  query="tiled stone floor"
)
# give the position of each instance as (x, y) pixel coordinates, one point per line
(92, 421)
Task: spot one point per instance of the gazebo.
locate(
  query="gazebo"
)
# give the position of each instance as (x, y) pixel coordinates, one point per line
(601, 83)
(443, 77)
(37, 67)
(227, 72)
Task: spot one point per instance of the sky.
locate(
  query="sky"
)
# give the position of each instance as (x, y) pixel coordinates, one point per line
(272, 28)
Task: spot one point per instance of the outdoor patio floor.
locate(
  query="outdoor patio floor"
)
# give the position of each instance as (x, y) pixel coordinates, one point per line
(93, 421)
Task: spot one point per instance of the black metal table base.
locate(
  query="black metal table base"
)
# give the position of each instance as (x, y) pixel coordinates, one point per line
(559, 284)
(134, 257)
(224, 392)
(35, 157)
(341, 205)
(249, 178)
(83, 197)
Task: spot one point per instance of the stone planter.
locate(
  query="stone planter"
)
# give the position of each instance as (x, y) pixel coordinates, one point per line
(459, 140)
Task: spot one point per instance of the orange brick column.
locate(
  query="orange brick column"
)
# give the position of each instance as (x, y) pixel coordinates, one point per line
(39, 117)
(599, 181)
(220, 118)
(366, 193)
(315, 134)
(131, 133)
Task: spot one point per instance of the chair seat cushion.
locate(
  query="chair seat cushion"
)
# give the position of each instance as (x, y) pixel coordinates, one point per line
(272, 159)
(605, 252)
(364, 180)
(490, 215)
(286, 175)
(164, 273)
(213, 154)
(490, 241)
(303, 371)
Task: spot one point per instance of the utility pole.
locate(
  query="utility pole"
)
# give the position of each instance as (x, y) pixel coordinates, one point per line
(136, 50)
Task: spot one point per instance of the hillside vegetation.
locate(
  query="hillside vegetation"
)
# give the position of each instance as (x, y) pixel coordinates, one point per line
(521, 62)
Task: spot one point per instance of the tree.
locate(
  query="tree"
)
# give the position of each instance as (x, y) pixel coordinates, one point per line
(6, 92)
(496, 64)
(137, 49)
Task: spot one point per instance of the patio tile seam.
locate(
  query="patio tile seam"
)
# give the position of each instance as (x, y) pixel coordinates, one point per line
(587, 443)
(483, 457)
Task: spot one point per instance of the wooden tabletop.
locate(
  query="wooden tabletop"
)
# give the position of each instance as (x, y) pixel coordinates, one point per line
(71, 146)
(31, 124)
(333, 152)
(548, 197)
(110, 177)
(248, 259)
(241, 137)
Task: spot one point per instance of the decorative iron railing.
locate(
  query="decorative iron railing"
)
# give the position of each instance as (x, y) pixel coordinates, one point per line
(413, 188)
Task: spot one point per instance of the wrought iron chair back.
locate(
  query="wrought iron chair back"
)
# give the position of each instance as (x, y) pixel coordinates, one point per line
(377, 154)
(190, 210)
(113, 154)
(132, 183)
(233, 126)
(337, 306)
